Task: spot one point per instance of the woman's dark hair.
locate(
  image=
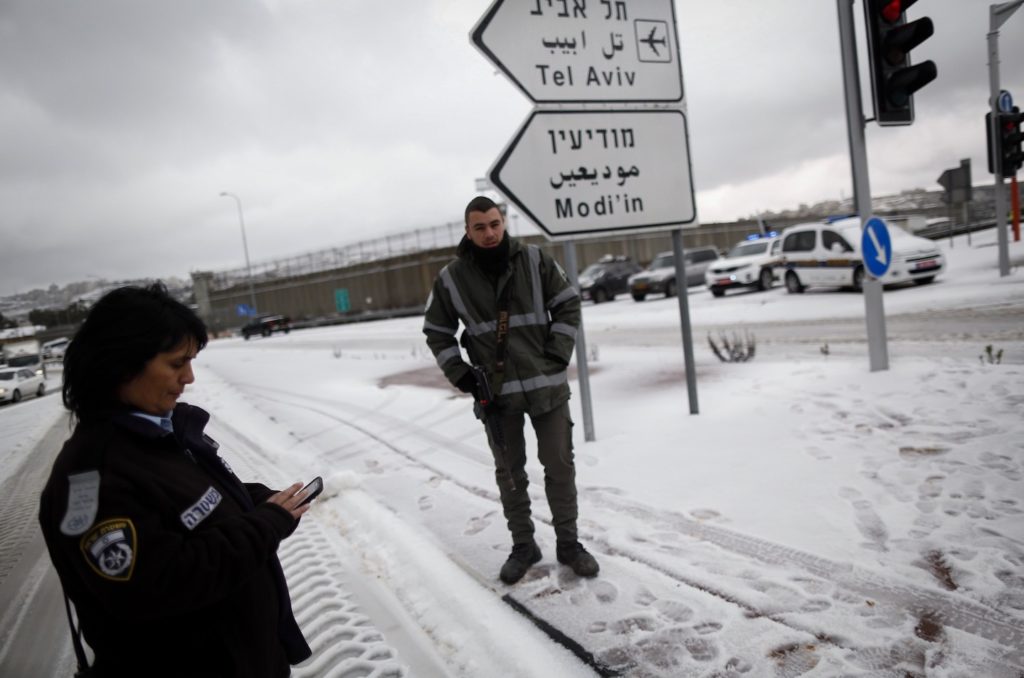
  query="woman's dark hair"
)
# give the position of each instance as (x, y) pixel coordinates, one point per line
(124, 330)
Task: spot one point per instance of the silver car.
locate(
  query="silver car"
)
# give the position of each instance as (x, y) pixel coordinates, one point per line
(660, 275)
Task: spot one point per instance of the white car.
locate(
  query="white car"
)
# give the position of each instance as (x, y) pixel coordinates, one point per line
(16, 383)
(828, 254)
(750, 263)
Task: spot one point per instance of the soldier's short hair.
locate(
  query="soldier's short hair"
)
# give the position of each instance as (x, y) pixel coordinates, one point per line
(481, 203)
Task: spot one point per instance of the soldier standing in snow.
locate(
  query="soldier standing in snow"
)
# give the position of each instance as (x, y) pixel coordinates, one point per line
(520, 317)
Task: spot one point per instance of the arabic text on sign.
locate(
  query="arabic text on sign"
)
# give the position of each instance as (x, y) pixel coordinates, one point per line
(572, 177)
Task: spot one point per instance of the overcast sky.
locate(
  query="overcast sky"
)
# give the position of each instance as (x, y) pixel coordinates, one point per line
(338, 120)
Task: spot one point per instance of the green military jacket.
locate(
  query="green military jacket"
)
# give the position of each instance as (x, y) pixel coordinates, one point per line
(544, 315)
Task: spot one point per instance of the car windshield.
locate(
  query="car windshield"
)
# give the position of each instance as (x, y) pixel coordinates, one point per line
(745, 249)
(664, 261)
(6, 376)
(594, 270)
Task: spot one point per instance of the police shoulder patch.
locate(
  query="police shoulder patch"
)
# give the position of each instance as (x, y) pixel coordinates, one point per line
(83, 500)
(110, 549)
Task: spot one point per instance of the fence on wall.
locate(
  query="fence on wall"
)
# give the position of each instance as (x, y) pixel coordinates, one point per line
(393, 274)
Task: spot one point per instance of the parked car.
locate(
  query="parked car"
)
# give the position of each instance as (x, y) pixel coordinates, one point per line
(606, 277)
(660, 275)
(750, 263)
(265, 325)
(828, 254)
(16, 383)
(54, 350)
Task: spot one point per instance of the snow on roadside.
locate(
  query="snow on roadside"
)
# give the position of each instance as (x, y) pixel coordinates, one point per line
(426, 593)
(23, 425)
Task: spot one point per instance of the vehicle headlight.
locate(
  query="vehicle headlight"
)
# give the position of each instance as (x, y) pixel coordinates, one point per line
(3, 391)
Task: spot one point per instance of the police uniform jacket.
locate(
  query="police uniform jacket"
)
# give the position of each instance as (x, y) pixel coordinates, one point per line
(169, 559)
(544, 315)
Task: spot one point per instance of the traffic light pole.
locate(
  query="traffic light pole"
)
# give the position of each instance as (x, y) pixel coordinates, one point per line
(874, 309)
(998, 14)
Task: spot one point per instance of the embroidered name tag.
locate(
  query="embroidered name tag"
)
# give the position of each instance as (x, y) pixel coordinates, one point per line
(197, 512)
(110, 549)
(83, 500)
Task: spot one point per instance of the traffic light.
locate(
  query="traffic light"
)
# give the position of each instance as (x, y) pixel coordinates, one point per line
(893, 79)
(1011, 153)
(1008, 142)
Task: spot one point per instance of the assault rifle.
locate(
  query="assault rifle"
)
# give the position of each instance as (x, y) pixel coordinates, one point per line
(483, 408)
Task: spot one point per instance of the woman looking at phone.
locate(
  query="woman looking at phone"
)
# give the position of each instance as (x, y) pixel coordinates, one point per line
(170, 560)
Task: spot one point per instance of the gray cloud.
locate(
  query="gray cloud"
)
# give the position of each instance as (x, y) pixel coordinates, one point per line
(122, 121)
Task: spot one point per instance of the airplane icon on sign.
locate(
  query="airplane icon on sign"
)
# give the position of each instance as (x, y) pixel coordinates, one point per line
(652, 41)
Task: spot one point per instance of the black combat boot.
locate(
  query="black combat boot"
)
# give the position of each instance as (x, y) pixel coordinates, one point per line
(519, 561)
(575, 556)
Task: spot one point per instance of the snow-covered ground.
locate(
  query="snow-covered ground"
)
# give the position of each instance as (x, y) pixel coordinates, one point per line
(814, 519)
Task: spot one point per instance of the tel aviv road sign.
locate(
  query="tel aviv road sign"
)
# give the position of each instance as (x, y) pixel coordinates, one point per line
(573, 51)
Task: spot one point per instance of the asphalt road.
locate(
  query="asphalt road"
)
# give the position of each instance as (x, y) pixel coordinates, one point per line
(35, 640)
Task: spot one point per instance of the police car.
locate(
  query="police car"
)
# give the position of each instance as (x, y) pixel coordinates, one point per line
(828, 254)
(750, 263)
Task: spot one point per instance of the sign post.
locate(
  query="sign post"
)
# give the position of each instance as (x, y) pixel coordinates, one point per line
(606, 148)
(998, 14)
(874, 309)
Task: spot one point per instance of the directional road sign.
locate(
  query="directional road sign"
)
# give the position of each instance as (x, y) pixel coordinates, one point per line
(1005, 102)
(876, 247)
(576, 172)
(572, 51)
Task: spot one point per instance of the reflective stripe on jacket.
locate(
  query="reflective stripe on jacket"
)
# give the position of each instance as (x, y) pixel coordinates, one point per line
(544, 314)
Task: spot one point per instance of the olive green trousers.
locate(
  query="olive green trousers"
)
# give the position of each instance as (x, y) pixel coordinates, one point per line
(554, 449)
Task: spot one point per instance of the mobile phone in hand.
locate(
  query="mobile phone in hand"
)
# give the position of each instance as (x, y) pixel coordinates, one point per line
(312, 490)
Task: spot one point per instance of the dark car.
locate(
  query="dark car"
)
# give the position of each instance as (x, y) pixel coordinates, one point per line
(265, 325)
(606, 277)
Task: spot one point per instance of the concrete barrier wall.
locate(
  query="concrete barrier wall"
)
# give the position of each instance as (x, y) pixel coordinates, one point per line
(403, 282)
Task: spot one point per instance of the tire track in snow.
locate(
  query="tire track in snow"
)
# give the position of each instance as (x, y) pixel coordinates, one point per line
(946, 609)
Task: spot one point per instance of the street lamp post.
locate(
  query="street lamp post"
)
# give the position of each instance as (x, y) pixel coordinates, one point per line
(245, 246)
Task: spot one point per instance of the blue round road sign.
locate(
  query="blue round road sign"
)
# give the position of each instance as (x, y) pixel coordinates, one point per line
(876, 247)
(1005, 102)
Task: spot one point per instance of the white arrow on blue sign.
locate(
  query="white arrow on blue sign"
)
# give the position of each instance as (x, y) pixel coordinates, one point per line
(876, 247)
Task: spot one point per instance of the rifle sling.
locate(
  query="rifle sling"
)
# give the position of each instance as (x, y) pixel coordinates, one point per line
(501, 338)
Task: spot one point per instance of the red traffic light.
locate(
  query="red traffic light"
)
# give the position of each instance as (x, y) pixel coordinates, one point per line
(892, 10)
(891, 37)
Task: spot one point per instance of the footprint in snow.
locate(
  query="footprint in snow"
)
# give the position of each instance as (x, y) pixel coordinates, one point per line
(707, 628)
(478, 524)
(426, 503)
(674, 610)
(644, 597)
(604, 591)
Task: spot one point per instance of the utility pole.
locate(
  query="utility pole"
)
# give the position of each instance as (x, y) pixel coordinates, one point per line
(998, 14)
(874, 309)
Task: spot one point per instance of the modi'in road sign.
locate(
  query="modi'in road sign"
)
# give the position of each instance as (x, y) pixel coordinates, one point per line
(597, 171)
